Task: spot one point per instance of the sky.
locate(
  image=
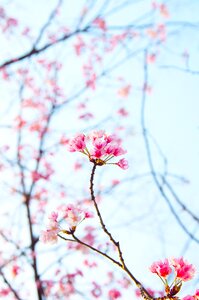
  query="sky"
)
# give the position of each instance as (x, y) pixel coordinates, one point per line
(171, 112)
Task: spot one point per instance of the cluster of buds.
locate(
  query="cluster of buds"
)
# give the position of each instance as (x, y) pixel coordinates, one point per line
(103, 148)
(182, 270)
(72, 215)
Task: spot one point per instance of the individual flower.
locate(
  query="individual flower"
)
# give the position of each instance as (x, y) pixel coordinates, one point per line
(99, 147)
(123, 164)
(162, 269)
(183, 270)
(114, 294)
(74, 215)
(77, 143)
(50, 234)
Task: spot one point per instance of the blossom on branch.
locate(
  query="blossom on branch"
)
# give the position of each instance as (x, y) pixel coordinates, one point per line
(73, 217)
(183, 270)
(162, 269)
(103, 148)
(123, 164)
(50, 234)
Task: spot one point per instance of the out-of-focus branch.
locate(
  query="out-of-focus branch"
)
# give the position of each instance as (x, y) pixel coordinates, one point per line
(35, 51)
(45, 26)
(9, 286)
(149, 155)
(122, 265)
(186, 70)
(183, 206)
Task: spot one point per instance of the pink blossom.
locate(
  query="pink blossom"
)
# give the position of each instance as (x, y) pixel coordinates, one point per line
(74, 215)
(15, 270)
(151, 58)
(91, 81)
(112, 139)
(164, 10)
(53, 217)
(99, 147)
(99, 143)
(138, 293)
(97, 153)
(90, 264)
(96, 291)
(115, 182)
(124, 91)
(118, 151)
(184, 271)
(77, 143)
(110, 149)
(5, 292)
(88, 214)
(79, 46)
(100, 23)
(96, 135)
(50, 234)
(189, 298)
(77, 166)
(123, 164)
(86, 116)
(12, 22)
(197, 295)
(124, 282)
(162, 269)
(114, 294)
(123, 112)
(20, 122)
(64, 140)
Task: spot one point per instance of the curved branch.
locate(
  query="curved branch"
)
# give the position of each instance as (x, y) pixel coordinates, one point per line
(35, 51)
(122, 265)
(149, 157)
(10, 286)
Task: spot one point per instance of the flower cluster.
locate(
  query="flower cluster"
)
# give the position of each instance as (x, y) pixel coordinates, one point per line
(50, 234)
(72, 215)
(103, 148)
(182, 270)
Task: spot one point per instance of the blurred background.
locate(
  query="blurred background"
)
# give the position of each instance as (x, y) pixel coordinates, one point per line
(128, 67)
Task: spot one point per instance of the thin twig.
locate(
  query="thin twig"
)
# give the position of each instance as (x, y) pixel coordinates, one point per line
(122, 265)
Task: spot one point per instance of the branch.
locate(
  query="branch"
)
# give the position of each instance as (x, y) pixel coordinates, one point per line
(9, 285)
(34, 51)
(91, 248)
(122, 265)
(52, 15)
(149, 156)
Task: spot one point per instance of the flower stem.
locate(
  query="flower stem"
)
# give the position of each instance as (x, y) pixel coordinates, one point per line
(122, 264)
